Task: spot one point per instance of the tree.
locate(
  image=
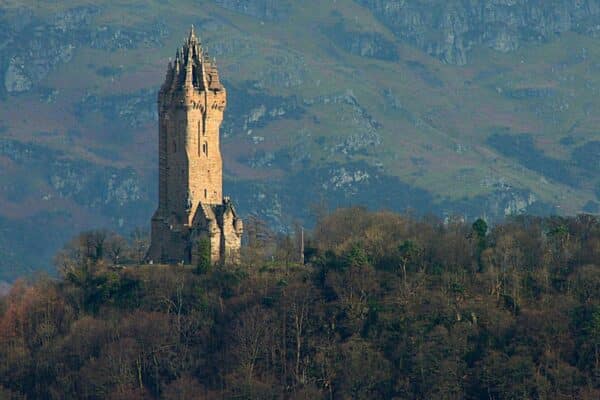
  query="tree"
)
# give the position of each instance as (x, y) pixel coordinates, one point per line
(94, 243)
(260, 241)
(480, 229)
(248, 334)
(10, 395)
(364, 372)
(140, 242)
(409, 252)
(186, 387)
(116, 248)
(204, 257)
(86, 249)
(593, 331)
(340, 326)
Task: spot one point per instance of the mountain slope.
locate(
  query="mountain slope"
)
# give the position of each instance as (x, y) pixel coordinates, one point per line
(350, 102)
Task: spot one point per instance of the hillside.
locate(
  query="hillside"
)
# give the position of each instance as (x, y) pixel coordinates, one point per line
(386, 307)
(477, 108)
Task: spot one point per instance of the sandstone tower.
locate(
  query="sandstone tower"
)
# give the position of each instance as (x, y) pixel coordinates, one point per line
(191, 205)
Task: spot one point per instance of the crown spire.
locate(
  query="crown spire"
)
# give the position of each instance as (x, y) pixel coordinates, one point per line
(193, 68)
(192, 37)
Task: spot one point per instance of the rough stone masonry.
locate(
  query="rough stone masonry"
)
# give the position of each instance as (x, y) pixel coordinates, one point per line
(191, 206)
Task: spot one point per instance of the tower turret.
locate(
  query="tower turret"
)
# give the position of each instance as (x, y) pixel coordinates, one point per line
(189, 71)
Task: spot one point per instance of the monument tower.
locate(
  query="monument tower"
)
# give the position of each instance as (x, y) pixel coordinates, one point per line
(191, 205)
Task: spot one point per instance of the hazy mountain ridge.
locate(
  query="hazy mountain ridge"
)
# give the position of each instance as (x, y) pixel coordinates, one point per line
(328, 103)
(450, 29)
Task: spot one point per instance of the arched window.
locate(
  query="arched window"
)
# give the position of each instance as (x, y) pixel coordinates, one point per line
(205, 193)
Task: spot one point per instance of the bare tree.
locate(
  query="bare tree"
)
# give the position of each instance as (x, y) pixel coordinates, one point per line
(116, 248)
(140, 243)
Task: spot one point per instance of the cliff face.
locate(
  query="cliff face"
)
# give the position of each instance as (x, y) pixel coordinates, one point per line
(449, 29)
(270, 10)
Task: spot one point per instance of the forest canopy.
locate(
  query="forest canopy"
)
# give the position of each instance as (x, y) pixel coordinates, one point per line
(384, 306)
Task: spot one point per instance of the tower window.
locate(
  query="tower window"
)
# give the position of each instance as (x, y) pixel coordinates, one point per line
(205, 148)
(201, 131)
(205, 193)
(200, 134)
(174, 146)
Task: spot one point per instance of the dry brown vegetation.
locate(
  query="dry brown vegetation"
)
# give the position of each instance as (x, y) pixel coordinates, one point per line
(386, 306)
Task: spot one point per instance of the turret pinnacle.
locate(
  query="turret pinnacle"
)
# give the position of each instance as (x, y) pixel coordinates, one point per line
(192, 37)
(170, 75)
(189, 72)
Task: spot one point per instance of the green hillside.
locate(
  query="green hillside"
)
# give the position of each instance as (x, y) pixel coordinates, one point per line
(330, 103)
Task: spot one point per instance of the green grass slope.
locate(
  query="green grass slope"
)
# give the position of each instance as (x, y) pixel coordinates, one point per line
(327, 105)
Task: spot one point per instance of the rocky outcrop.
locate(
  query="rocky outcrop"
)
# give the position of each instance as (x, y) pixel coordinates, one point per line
(448, 29)
(364, 44)
(367, 129)
(250, 108)
(114, 192)
(15, 77)
(114, 38)
(33, 47)
(132, 110)
(270, 10)
(501, 202)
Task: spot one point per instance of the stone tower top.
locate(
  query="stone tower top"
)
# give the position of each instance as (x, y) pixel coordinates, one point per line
(192, 68)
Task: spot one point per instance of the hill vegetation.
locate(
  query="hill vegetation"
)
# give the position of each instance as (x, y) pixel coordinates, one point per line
(480, 107)
(385, 306)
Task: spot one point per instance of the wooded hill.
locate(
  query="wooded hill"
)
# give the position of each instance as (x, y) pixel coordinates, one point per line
(386, 306)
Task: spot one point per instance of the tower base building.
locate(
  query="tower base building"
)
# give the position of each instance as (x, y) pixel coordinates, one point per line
(177, 243)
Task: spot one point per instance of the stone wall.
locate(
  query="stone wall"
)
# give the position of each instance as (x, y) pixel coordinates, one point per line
(232, 229)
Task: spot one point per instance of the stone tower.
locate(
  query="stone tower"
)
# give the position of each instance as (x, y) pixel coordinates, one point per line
(191, 205)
